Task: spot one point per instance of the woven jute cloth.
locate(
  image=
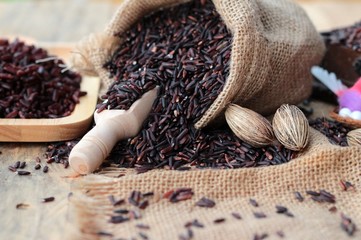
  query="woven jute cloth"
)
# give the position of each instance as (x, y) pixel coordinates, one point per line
(274, 45)
(320, 166)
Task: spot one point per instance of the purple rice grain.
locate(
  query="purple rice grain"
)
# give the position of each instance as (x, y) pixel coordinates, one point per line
(180, 194)
(313, 193)
(142, 226)
(148, 194)
(23, 173)
(70, 194)
(260, 237)
(115, 202)
(347, 225)
(37, 167)
(236, 215)
(190, 233)
(48, 199)
(298, 196)
(328, 196)
(259, 215)
(105, 234)
(135, 198)
(333, 209)
(322, 196)
(22, 206)
(33, 85)
(66, 163)
(281, 209)
(280, 233)
(142, 169)
(143, 204)
(121, 211)
(119, 202)
(219, 220)
(349, 185)
(205, 202)
(189, 60)
(194, 223)
(253, 202)
(22, 165)
(45, 169)
(197, 224)
(17, 164)
(12, 168)
(345, 185)
(143, 235)
(184, 168)
(188, 224)
(118, 219)
(51, 160)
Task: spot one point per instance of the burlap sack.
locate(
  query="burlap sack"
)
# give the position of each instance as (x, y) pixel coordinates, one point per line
(274, 46)
(322, 166)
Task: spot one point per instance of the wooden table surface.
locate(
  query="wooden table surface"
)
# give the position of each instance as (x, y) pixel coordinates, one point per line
(68, 21)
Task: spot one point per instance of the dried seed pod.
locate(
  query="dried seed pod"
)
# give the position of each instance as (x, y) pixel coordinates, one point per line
(354, 137)
(249, 126)
(291, 127)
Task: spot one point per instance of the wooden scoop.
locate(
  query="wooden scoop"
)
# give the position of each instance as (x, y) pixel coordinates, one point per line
(111, 126)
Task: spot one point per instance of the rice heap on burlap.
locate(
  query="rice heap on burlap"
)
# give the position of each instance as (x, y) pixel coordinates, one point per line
(273, 48)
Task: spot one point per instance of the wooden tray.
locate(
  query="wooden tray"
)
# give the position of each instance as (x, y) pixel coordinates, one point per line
(353, 123)
(57, 129)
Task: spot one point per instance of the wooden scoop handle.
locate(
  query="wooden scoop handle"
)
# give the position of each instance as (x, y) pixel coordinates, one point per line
(111, 126)
(96, 145)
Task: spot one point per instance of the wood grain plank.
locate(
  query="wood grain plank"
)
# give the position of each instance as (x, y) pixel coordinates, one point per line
(56, 20)
(40, 220)
(330, 15)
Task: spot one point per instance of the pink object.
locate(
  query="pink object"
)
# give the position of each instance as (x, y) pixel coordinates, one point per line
(357, 86)
(347, 97)
(350, 99)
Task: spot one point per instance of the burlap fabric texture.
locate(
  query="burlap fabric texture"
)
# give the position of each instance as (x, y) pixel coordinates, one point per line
(274, 45)
(321, 166)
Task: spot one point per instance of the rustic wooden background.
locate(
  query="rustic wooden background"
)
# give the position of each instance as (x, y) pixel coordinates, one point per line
(68, 21)
(55, 20)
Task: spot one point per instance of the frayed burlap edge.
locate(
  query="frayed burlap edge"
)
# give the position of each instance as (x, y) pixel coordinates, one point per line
(91, 53)
(322, 166)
